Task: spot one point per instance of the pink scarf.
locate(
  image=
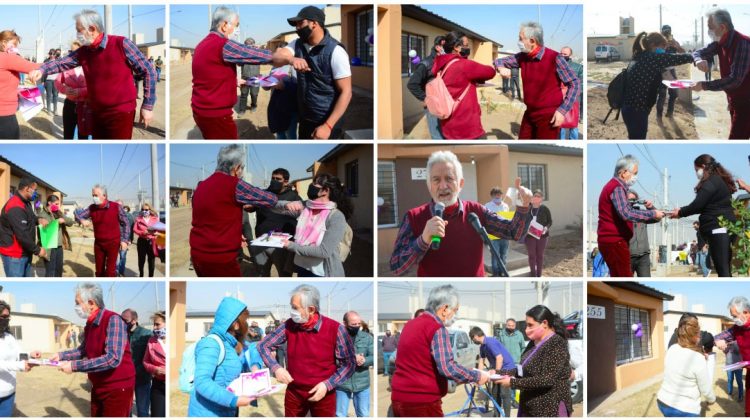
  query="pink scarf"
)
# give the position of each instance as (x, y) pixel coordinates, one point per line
(311, 225)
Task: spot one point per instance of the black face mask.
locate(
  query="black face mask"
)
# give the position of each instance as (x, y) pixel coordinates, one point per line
(304, 33)
(509, 331)
(4, 323)
(567, 58)
(275, 186)
(352, 330)
(312, 192)
(465, 52)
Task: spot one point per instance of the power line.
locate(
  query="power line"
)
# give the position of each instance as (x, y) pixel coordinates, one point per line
(136, 295)
(127, 165)
(118, 164)
(174, 25)
(559, 22)
(50, 16)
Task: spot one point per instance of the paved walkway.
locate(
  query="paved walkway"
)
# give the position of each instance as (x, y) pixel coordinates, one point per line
(712, 119)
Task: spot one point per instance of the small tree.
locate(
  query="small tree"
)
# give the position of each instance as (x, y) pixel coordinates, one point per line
(741, 230)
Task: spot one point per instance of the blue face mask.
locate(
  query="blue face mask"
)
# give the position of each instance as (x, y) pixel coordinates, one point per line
(34, 196)
(660, 51)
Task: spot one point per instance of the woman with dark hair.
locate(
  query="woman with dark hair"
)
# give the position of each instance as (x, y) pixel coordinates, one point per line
(543, 373)
(460, 75)
(713, 199)
(536, 239)
(53, 265)
(321, 227)
(644, 77)
(10, 363)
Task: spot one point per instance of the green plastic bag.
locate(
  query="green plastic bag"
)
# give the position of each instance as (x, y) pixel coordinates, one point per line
(49, 234)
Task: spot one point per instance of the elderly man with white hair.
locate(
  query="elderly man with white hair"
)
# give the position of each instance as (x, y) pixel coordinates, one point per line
(425, 359)
(733, 49)
(216, 235)
(111, 230)
(461, 250)
(739, 308)
(109, 63)
(543, 71)
(616, 217)
(320, 356)
(104, 354)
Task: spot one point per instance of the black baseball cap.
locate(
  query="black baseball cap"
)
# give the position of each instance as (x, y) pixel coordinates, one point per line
(309, 13)
(666, 29)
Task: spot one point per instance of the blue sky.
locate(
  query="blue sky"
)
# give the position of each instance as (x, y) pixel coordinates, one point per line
(715, 295)
(57, 20)
(296, 158)
(562, 23)
(58, 298)
(190, 23)
(274, 296)
(74, 168)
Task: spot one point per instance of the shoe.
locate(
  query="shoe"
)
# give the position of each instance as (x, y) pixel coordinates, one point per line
(709, 273)
(253, 108)
(669, 114)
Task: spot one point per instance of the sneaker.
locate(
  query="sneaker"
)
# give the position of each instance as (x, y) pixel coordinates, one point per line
(669, 114)
(709, 273)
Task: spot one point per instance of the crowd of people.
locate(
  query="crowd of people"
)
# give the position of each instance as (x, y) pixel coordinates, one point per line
(113, 224)
(313, 76)
(322, 236)
(552, 86)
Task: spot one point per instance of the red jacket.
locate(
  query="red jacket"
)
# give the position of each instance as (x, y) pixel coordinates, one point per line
(466, 120)
(18, 228)
(154, 358)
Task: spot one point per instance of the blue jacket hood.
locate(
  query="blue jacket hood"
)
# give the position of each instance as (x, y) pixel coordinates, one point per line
(227, 312)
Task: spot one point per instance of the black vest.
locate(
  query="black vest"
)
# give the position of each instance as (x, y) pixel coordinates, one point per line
(316, 92)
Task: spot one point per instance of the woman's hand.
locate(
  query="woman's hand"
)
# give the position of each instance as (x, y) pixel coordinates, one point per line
(523, 194)
(295, 206)
(505, 382)
(285, 243)
(244, 401)
(36, 354)
(160, 371)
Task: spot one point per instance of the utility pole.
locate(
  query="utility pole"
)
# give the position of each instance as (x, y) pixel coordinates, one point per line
(507, 300)
(108, 19)
(210, 17)
(539, 14)
(492, 332)
(591, 227)
(420, 295)
(101, 164)
(156, 292)
(660, 24)
(155, 179)
(665, 238)
(130, 22)
(703, 30)
(695, 35)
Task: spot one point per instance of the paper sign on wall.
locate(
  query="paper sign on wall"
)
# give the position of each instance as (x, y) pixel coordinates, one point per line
(418, 174)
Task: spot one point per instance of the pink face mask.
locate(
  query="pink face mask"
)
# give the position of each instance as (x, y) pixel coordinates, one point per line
(54, 208)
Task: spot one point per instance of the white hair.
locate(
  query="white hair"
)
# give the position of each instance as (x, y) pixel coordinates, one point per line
(444, 156)
(229, 157)
(739, 303)
(626, 162)
(222, 14)
(308, 294)
(88, 17)
(103, 188)
(721, 16)
(91, 291)
(533, 30)
(442, 295)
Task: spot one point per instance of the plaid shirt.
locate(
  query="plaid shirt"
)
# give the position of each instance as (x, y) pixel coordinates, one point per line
(740, 63)
(412, 248)
(566, 75)
(237, 53)
(442, 353)
(117, 339)
(619, 198)
(344, 352)
(135, 60)
(254, 196)
(124, 221)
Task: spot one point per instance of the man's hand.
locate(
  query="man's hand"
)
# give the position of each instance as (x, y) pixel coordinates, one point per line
(483, 378)
(698, 87)
(505, 382)
(702, 66)
(283, 376)
(649, 204)
(26, 366)
(322, 132)
(123, 246)
(160, 371)
(557, 119)
(146, 117)
(360, 360)
(43, 222)
(504, 72)
(66, 367)
(295, 206)
(318, 392)
(42, 253)
(34, 76)
(299, 64)
(742, 185)
(241, 82)
(659, 215)
(61, 220)
(434, 227)
(721, 344)
(55, 357)
(523, 194)
(36, 354)
(244, 401)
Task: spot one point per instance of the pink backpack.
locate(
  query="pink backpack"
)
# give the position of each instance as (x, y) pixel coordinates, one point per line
(438, 100)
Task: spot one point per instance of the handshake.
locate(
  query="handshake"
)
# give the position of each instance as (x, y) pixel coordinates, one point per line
(672, 214)
(35, 76)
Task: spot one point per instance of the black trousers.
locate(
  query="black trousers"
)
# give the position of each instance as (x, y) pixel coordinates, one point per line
(145, 250)
(70, 119)
(720, 248)
(641, 265)
(9, 128)
(53, 266)
(158, 398)
(244, 90)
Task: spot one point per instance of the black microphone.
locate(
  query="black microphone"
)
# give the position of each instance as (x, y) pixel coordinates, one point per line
(439, 209)
(477, 225)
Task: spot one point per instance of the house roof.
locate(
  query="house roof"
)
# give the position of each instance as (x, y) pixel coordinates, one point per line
(182, 48)
(282, 34)
(24, 173)
(547, 149)
(211, 314)
(174, 187)
(30, 315)
(334, 153)
(424, 15)
(150, 44)
(640, 288)
(698, 314)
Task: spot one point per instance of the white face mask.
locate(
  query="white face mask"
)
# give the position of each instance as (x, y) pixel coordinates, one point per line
(713, 36)
(522, 47)
(97, 200)
(632, 181)
(297, 317)
(699, 173)
(82, 39)
(739, 322)
(449, 322)
(80, 312)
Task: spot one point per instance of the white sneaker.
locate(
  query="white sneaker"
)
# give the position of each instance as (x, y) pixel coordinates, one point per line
(709, 273)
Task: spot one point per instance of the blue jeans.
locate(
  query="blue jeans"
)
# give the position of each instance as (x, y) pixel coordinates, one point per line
(668, 411)
(361, 402)
(636, 122)
(121, 262)
(158, 74)
(291, 131)
(700, 256)
(17, 267)
(569, 133)
(731, 377)
(143, 399)
(386, 358)
(433, 124)
(501, 245)
(7, 404)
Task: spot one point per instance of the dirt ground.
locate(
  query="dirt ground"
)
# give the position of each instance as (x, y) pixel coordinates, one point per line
(642, 403)
(251, 125)
(48, 127)
(451, 402)
(80, 261)
(681, 126)
(47, 392)
(359, 263)
(271, 406)
(501, 116)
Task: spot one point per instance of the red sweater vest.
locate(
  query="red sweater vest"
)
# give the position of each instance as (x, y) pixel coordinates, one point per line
(461, 252)
(311, 354)
(416, 379)
(740, 95)
(217, 218)
(541, 85)
(742, 336)
(123, 376)
(106, 222)
(612, 228)
(214, 80)
(107, 72)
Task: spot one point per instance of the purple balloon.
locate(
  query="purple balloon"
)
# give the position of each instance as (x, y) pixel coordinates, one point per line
(639, 331)
(416, 60)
